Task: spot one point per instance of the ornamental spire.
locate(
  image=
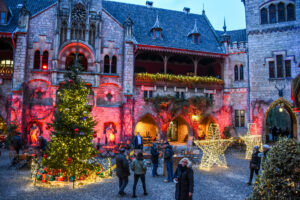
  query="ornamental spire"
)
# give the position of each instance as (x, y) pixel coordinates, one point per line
(224, 27)
(195, 29)
(157, 24)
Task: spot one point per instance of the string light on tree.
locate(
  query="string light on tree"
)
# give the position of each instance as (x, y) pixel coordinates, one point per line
(213, 148)
(251, 139)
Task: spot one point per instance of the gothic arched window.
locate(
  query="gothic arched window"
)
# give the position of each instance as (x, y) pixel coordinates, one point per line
(236, 73)
(264, 16)
(106, 64)
(45, 60)
(37, 60)
(290, 12)
(92, 34)
(272, 13)
(63, 31)
(241, 72)
(114, 65)
(81, 59)
(281, 12)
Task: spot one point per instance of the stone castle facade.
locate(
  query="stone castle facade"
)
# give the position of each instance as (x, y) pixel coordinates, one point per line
(118, 41)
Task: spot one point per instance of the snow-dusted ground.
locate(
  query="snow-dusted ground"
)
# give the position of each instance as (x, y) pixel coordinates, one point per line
(217, 184)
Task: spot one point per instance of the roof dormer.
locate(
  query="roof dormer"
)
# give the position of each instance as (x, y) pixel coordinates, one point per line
(156, 29)
(3, 13)
(195, 34)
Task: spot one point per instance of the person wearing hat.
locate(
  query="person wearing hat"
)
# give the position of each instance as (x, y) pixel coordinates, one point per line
(122, 171)
(168, 157)
(254, 163)
(139, 167)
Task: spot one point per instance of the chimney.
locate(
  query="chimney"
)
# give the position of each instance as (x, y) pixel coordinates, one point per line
(186, 10)
(149, 4)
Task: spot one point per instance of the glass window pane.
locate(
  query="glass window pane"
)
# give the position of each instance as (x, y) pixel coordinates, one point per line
(264, 16)
(281, 12)
(290, 12)
(106, 64)
(157, 34)
(3, 15)
(242, 118)
(236, 73)
(150, 94)
(242, 72)
(236, 118)
(272, 13)
(279, 64)
(271, 69)
(145, 94)
(288, 68)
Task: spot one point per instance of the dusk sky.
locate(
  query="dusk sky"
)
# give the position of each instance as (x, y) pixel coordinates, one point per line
(216, 10)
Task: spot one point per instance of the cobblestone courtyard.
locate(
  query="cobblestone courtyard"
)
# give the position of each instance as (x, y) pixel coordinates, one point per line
(217, 184)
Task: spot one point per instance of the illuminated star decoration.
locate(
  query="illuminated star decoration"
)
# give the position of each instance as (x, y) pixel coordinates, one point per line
(213, 148)
(251, 140)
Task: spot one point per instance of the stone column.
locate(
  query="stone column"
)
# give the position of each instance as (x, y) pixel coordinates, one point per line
(165, 59)
(196, 61)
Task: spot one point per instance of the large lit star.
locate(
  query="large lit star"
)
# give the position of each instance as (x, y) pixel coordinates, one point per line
(213, 148)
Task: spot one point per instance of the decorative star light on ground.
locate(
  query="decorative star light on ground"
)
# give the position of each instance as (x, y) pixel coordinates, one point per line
(213, 148)
(251, 139)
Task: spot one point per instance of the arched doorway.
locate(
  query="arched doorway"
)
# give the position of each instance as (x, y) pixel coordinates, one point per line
(178, 130)
(147, 128)
(279, 119)
(202, 130)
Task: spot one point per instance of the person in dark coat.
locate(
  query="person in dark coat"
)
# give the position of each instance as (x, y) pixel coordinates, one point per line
(138, 142)
(42, 144)
(139, 167)
(154, 158)
(184, 178)
(17, 143)
(168, 157)
(122, 171)
(275, 133)
(254, 163)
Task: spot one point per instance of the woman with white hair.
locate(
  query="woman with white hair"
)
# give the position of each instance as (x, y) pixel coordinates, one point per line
(184, 178)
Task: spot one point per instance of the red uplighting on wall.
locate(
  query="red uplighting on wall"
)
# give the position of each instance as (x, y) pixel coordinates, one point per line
(44, 67)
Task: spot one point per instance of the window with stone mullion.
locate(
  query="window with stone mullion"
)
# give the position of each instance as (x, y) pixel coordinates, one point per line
(264, 16)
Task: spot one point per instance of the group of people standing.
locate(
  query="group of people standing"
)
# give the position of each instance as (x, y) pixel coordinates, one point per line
(183, 176)
(276, 133)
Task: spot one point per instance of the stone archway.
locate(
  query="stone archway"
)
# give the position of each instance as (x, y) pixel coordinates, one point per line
(286, 107)
(179, 130)
(202, 130)
(147, 127)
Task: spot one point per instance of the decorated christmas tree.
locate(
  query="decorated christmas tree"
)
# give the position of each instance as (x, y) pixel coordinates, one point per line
(280, 177)
(71, 148)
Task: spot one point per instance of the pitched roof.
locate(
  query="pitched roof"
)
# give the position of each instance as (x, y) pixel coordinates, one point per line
(235, 35)
(34, 7)
(176, 26)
